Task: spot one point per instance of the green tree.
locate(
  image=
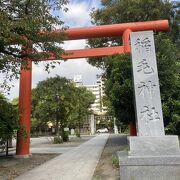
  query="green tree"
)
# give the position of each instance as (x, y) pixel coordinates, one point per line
(84, 98)
(53, 100)
(118, 87)
(21, 22)
(8, 119)
(118, 67)
(59, 101)
(168, 59)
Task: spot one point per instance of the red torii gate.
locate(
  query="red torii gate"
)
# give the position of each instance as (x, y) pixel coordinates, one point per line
(115, 30)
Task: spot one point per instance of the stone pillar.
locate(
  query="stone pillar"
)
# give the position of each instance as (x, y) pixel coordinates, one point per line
(146, 85)
(151, 155)
(92, 124)
(150, 126)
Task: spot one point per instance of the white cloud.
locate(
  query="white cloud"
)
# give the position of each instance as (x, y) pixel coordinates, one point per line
(75, 14)
(68, 69)
(79, 12)
(74, 44)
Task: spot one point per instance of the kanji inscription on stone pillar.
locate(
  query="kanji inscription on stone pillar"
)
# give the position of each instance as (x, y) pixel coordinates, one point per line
(146, 85)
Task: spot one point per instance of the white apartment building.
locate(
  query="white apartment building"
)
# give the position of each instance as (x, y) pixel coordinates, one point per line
(98, 90)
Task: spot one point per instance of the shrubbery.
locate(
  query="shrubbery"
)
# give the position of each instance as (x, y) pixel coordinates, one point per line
(58, 140)
(65, 136)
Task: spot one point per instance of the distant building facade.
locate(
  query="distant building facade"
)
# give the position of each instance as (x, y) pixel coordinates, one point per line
(97, 89)
(98, 117)
(78, 80)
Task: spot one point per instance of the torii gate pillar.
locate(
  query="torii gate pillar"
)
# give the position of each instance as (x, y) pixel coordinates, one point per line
(23, 137)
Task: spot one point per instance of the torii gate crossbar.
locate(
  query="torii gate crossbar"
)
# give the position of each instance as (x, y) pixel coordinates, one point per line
(115, 30)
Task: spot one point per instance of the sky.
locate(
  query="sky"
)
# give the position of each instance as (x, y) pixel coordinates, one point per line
(78, 15)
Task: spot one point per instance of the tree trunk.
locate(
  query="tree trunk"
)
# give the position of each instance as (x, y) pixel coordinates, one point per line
(79, 126)
(57, 128)
(7, 148)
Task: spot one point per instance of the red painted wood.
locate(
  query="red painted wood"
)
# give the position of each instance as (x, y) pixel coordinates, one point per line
(107, 30)
(132, 128)
(23, 137)
(85, 53)
(126, 44)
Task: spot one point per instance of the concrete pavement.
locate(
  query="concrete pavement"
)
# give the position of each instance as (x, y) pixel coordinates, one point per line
(50, 150)
(45, 145)
(76, 164)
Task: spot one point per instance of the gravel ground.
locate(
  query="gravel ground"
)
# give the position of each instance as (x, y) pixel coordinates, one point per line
(11, 167)
(106, 169)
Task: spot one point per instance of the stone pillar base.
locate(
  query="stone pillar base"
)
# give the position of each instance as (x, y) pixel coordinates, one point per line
(149, 168)
(153, 146)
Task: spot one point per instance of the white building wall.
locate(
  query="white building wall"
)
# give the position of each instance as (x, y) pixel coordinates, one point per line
(98, 90)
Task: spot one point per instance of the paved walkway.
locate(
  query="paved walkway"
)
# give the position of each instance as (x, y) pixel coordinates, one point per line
(50, 150)
(44, 145)
(76, 164)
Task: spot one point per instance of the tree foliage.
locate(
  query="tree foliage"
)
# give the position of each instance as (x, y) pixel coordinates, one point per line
(119, 88)
(59, 101)
(84, 98)
(8, 119)
(21, 22)
(123, 11)
(53, 100)
(168, 60)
